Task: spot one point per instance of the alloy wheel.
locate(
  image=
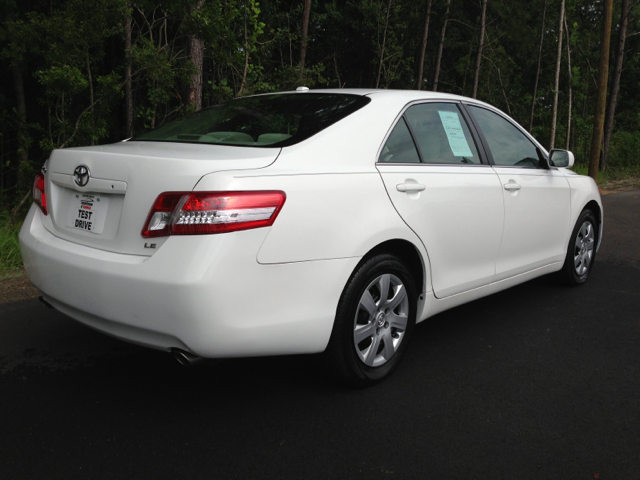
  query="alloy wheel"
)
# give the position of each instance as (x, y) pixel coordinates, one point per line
(381, 320)
(583, 248)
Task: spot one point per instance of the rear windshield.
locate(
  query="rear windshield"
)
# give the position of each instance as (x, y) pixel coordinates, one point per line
(275, 120)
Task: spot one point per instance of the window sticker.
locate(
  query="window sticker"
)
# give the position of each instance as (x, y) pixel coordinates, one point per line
(455, 134)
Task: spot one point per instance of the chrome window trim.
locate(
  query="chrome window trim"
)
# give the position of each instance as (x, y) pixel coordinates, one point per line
(421, 164)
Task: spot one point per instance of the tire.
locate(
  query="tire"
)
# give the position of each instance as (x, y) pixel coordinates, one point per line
(371, 331)
(581, 253)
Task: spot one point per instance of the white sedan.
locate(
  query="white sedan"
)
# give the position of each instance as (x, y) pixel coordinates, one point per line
(304, 222)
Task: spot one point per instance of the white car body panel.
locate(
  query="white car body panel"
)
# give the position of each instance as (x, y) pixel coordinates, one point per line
(208, 296)
(536, 220)
(458, 216)
(355, 206)
(275, 290)
(583, 191)
(434, 305)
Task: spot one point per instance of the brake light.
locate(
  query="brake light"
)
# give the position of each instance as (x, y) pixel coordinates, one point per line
(197, 213)
(39, 195)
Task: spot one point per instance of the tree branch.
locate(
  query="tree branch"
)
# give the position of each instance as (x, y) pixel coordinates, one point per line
(75, 130)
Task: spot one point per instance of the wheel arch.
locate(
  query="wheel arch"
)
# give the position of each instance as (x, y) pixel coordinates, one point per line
(597, 211)
(584, 195)
(410, 256)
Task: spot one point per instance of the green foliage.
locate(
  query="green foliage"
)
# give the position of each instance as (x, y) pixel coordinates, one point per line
(60, 80)
(70, 58)
(625, 152)
(162, 76)
(386, 21)
(10, 258)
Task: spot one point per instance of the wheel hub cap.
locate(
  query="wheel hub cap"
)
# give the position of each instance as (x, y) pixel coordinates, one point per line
(584, 248)
(381, 320)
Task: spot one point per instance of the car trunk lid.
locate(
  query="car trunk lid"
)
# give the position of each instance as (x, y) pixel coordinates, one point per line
(100, 196)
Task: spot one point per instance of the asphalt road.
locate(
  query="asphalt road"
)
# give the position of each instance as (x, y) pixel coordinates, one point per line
(540, 381)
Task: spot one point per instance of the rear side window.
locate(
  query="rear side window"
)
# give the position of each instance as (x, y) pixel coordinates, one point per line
(399, 147)
(442, 134)
(276, 120)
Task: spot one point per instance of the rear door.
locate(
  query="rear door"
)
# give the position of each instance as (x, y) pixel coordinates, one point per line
(446, 193)
(536, 198)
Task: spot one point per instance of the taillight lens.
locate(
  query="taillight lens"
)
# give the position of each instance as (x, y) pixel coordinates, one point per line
(39, 195)
(197, 213)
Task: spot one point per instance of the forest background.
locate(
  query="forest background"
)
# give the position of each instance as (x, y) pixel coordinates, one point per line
(88, 72)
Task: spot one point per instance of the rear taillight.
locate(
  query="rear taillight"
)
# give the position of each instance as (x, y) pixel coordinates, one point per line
(197, 213)
(39, 195)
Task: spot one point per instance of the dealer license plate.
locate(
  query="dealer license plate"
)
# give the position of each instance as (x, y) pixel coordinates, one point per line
(88, 212)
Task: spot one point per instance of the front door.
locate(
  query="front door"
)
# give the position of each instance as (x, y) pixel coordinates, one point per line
(536, 198)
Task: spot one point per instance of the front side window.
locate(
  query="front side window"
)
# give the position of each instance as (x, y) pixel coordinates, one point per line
(442, 134)
(508, 145)
(277, 120)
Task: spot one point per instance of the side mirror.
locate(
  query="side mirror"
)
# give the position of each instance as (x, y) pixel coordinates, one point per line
(561, 158)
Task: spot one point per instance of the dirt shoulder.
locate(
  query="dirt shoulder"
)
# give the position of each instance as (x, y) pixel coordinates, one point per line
(617, 186)
(16, 286)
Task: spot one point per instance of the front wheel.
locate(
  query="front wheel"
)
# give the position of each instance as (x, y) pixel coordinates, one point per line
(375, 317)
(581, 253)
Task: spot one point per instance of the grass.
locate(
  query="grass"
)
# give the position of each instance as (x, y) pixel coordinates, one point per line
(603, 176)
(10, 258)
(610, 174)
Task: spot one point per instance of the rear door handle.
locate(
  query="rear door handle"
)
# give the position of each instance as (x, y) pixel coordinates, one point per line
(410, 187)
(511, 186)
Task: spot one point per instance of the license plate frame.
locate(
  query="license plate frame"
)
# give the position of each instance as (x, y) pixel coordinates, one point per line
(88, 212)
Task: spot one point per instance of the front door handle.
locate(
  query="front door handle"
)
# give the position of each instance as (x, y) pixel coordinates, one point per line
(410, 187)
(511, 186)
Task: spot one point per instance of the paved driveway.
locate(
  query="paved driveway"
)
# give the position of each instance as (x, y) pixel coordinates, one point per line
(540, 381)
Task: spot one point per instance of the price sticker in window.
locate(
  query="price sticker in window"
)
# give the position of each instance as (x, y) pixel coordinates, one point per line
(455, 134)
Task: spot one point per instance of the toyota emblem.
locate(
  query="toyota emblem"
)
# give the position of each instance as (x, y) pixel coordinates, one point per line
(81, 175)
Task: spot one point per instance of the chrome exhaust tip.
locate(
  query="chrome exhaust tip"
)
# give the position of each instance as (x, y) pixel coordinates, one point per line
(185, 359)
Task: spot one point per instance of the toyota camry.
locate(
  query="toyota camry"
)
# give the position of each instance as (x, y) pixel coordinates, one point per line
(324, 221)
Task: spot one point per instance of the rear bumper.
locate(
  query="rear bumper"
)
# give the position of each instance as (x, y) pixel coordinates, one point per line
(206, 294)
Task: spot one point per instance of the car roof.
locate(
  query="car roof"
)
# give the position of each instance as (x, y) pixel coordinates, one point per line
(400, 95)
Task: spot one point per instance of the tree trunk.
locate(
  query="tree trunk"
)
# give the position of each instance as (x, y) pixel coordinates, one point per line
(335, 65)
(196, 48)
(246, 57)
(535, 86)
(90, 77)
(128, 90)
(384, 41)
(196, 52)
(556, 84)
(305, 30)
(424, 45)
(440, 47)
(23, 143)
(603, 77)
(480, 44)
(566, 27)
(615, 85)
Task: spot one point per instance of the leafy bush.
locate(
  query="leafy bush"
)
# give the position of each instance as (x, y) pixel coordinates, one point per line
(625, 152)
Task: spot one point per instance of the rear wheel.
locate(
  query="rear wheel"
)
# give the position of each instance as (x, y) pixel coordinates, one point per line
(581, 253)
(374, 320)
